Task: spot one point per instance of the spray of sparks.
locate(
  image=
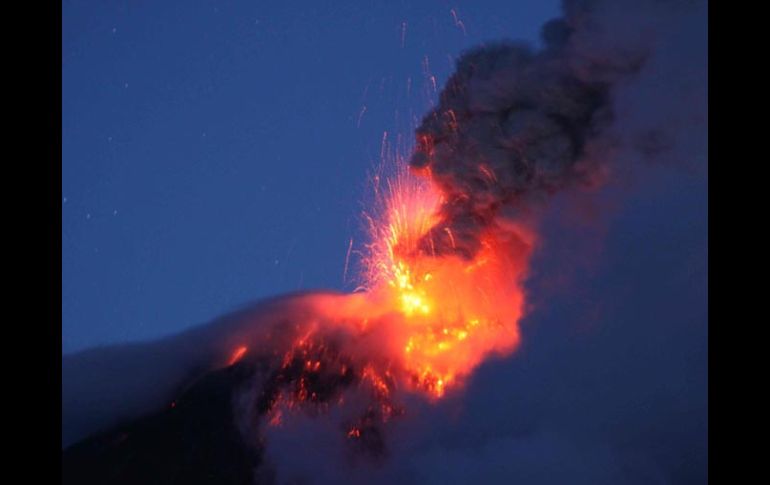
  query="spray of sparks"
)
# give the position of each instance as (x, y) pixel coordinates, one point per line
(453, 312)
(422, 321)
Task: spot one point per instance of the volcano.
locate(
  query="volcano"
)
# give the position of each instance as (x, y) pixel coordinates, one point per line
(212, 428)
(194, 440)
(442, 289)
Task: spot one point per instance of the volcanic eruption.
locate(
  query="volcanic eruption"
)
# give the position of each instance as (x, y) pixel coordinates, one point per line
(441, 286)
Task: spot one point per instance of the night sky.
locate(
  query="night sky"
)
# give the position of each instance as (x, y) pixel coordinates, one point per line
(217, 153)
(214, 153)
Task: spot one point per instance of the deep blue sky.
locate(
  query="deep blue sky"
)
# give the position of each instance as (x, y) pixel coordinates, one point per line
(216, 152)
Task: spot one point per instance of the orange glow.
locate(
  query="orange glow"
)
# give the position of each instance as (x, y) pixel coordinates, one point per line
(453, 312)
(422, 322)
(237, 354)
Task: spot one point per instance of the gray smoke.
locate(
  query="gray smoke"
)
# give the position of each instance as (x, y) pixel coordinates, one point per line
(515, 124)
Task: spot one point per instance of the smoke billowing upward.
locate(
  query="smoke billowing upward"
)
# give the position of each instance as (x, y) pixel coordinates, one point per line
(515, 124)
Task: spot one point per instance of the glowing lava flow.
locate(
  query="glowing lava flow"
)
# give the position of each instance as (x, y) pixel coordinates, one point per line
(455, 311)
(424, 321)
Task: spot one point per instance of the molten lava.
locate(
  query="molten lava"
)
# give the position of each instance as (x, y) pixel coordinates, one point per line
(237, 354)
(454, 311)
(424, 319)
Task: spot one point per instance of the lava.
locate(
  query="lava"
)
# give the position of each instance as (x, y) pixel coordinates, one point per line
(237, 354)
(455, 311)
(421, 322)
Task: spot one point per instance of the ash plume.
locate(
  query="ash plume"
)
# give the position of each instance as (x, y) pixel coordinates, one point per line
(515, 124)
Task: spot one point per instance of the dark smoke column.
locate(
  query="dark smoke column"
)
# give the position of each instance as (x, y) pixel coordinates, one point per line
(514, 125)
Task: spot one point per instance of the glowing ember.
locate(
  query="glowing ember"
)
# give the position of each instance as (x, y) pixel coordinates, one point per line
(435, 317)
(454, 311)
(424, 321)
(237, 355)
